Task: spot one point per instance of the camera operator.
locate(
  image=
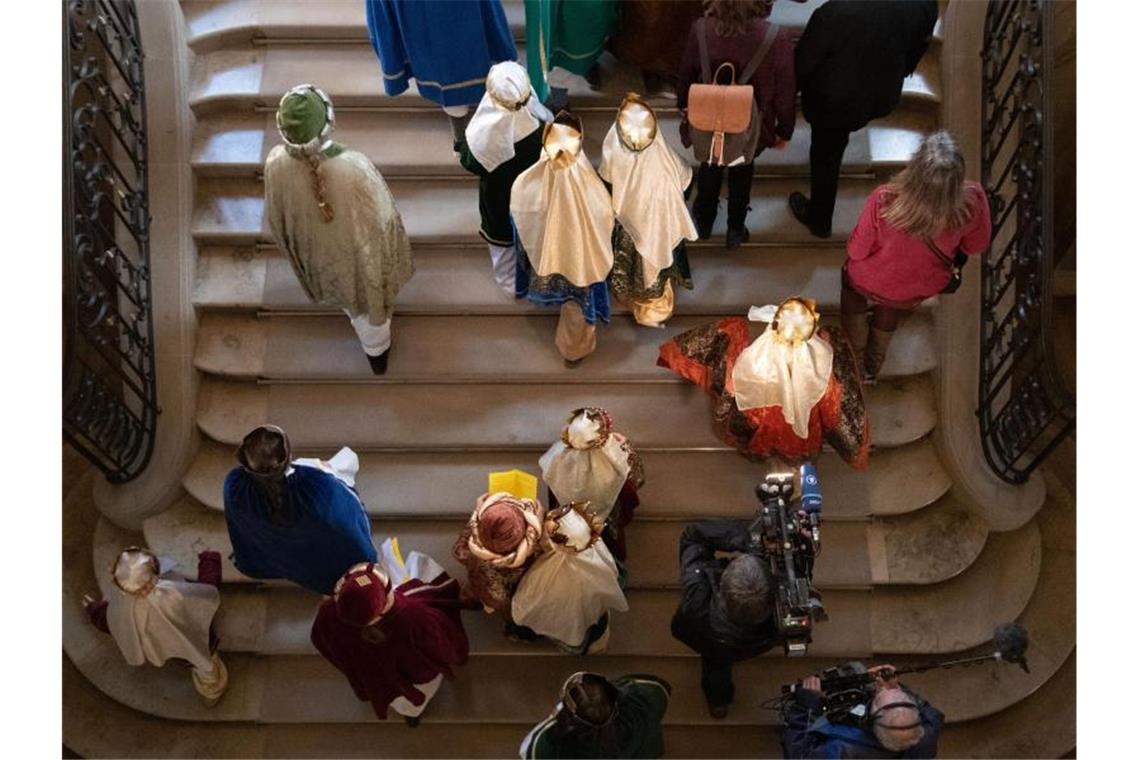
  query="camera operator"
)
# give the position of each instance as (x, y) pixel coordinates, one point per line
(892, 722)
(726, 605)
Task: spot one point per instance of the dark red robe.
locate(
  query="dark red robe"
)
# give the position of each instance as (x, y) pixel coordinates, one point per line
(423, 637)
(706, 355)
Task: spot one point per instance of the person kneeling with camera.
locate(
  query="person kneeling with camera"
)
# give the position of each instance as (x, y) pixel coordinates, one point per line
(888, 721)
(726, 605)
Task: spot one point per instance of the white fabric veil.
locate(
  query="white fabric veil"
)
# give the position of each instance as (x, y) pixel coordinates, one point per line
(782, 369)
(588, 463)
(568, 588)
(562, 210)
(508, 112)
(649, 181)
(153, 619)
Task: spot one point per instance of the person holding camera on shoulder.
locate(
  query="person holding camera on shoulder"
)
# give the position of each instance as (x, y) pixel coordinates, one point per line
(726, 604)
(892, 721)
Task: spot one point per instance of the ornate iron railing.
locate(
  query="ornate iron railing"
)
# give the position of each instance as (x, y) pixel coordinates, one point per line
(1024, 410)
(110, 405)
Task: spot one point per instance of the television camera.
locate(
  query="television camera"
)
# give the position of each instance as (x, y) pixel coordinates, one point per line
(847, 689)
(786, 533)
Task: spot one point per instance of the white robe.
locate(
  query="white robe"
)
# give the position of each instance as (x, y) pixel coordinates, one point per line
(595, 474)
(649, 198)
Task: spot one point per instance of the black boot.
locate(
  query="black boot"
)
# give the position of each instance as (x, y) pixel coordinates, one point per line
(379, 363)
(801, 210)
(739, 193)
(708, 199)
(412, 722)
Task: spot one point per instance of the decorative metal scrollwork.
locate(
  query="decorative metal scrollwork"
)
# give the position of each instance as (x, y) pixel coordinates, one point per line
(1024, 410)
(110, 407)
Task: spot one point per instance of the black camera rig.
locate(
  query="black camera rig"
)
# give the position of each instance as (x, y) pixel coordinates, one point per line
(788, 537)
(848, 688)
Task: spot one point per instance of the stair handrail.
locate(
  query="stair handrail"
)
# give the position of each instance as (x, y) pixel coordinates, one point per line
(110, 407)
(1024, 409)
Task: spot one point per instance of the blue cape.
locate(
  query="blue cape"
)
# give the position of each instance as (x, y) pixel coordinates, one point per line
(447, 47)
(323, 530)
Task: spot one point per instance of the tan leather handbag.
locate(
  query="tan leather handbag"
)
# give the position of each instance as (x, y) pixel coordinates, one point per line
(723, 118)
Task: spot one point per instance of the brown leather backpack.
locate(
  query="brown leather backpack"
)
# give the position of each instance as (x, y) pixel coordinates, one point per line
(724, 120)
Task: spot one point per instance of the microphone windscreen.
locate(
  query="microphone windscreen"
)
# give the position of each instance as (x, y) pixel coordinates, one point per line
(811, 496)
(1012, 641)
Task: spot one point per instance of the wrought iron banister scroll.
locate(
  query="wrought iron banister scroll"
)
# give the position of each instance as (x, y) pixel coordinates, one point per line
(110, 407)
(1024, 409)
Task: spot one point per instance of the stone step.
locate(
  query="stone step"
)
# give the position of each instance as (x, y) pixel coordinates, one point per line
(187, 528)
(439, 417)
(447, 211)
(457, 280)
(256, 78)
(420, 143)
(278, 622)
(946, 611)
(967, 694)
(393, 484)
(469, 349)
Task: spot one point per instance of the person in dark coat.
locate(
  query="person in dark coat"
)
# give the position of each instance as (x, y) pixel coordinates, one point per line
(726, 605)
(850, 65)
(734, 33)
(894, 722)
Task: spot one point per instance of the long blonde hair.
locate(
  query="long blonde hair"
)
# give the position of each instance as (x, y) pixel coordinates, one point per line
(928, 196)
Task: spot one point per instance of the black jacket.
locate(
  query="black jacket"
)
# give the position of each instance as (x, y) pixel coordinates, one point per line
(808, 734)
(854, 55)
(700, 622)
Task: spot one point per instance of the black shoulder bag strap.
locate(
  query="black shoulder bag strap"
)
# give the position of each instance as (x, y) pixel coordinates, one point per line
(946, 260)
(703, 45)
(761, 54)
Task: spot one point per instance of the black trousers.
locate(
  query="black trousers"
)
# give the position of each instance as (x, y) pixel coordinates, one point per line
(716, 681)
(827, 147)
(709, 180)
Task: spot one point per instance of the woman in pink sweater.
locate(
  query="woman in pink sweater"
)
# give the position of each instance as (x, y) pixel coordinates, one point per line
(900, 252)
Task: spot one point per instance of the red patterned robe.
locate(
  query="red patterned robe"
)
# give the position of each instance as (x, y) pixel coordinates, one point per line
(706, 355)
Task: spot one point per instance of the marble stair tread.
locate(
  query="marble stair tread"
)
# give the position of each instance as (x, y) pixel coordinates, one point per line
(443, 486)
(187, 528)
(458, 280)
(257, 77)
(930, 545)
(997, 586)
(421, 144)
(279, 621)
(462, 349)
(447, 211)
(425, 416)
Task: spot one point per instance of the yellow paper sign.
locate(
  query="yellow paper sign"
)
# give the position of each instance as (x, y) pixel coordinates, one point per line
(517, 483)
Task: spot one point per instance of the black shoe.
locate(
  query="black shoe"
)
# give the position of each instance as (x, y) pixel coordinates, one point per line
(718, 712)
(379, 363)
(571, 363)
(412, 722)
(800, 207)
(733, 238)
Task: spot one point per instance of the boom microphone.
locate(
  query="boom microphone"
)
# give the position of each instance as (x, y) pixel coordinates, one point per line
(811, 497)
(1011, 641)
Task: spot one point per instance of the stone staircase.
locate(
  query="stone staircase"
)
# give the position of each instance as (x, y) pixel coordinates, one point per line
(909, 570)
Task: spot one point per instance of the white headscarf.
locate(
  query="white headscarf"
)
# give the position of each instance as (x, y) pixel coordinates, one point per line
(508, 112)
(568, 588)
(649, 181)
(153, 619)
(788, 366)
(589, 462)
(562, 210)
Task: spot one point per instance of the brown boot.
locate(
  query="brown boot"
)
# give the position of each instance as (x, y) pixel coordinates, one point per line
(855, 327)
(877, 342)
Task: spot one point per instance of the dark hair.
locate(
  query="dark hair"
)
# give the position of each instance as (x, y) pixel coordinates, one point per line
(746, 588)
(590, 721)
(733, 17)
(265, 455)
